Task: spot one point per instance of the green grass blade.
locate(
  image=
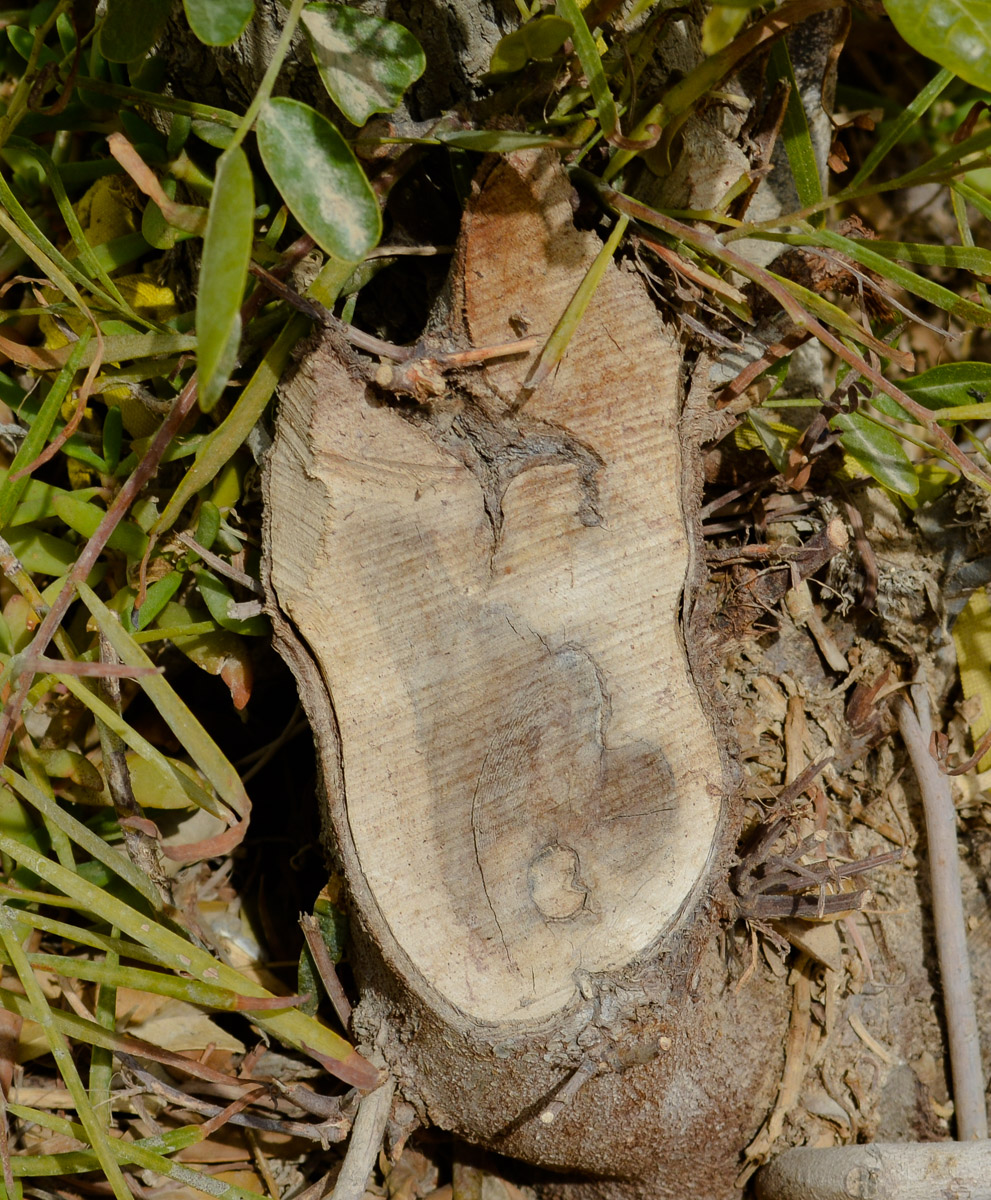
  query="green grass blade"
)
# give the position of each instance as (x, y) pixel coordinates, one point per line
(84, 837)
(967, 238)
(202, 749)
(101, 1062)
(148, 1153)
(38, 780)
(40, 1011)
(73, 1162)
(900, 127)
(123, 347)
(61, 271)
(89, 1033)
(831, 314)
(974, 197)
(155, 100)
(960, 258)
(557, 344)
(157, 983)
(795, 130)
(85, 251)
(864, 252)
(218, 447)
(175, 952)
(588, 56)
(12, 490)
(949, 161)
(80, 936)
(110, 717)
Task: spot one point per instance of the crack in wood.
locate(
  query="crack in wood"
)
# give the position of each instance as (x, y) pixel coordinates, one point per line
(497, 447)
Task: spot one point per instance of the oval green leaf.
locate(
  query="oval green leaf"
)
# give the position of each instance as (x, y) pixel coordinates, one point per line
(155, 788)
(131, 28)
(223, 271)
(538, 39)
(878, 451)
(955, 33)
(218, 599)
(319, 178)
(218, 22)
(366, 63)
(950, 385)
(953, 385)
(85, 519)
(157, 595)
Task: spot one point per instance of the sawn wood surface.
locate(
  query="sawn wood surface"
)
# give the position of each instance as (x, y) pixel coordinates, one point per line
(491, 585)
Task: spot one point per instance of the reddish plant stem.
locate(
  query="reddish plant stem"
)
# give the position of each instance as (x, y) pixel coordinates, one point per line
(709, 244)
(87, 560)
(326, 969)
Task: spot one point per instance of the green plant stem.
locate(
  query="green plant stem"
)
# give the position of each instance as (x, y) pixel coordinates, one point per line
(557, 344)
(181, 955)
(184, 108)
(111, 975)
(91, 552)
(270, 76)
(149, 1153)
(41, 787)
(77, 1161)
(81, 834)
(101, 1063)
(674, 107)
(221, 443)
(943, 168)
(588, 55)
(902, 125)
(967, 238)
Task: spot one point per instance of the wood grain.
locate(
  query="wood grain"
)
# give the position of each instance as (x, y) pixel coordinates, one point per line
(491, 588)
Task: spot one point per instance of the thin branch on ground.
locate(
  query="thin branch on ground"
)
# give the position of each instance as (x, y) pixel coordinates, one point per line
(948, 916)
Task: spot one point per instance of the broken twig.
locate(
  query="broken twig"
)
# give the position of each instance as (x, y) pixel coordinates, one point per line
(366, 1141)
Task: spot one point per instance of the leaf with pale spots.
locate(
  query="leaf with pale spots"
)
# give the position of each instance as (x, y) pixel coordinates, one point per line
(366, 63)
(319, 178)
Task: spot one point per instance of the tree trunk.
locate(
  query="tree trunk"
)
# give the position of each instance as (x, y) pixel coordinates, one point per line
(487, 598)
(525, 784)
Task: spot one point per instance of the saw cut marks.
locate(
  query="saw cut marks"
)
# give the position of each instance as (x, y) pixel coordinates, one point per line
(527, 783)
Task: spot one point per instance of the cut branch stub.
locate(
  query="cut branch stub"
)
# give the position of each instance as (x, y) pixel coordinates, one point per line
(523, 787)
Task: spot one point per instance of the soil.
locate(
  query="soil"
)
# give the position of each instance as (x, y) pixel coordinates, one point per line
(874, 1067)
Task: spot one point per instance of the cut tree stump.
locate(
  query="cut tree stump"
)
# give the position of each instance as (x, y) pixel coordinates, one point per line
(524, 790)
